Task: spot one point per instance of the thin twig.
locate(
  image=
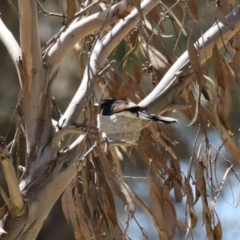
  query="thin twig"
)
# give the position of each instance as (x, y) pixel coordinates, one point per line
(46, 13)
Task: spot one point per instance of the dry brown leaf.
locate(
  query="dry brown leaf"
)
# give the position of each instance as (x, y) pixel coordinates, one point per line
(218, 12)
(113, 87)
(192, 221)
(93, 196)
(157, 135)
(115, 232)
(77, 235)
(157, 59)
(145, 155)
(111, 203)
(135, 92)
(154, 14)
(212, 204)
(67, 202)
(200, 187)
(170, 218)
(157, 205)
(130, 89)
(193, 218)
(105, 194)
(187, 96)
(190, 198)
(117, 155)
(229, 143)
(152, 155)
(85, 177)
(207, 115)
(169, 213)
(177, 191)
(177, 168)
(196, 96)
(154, 49)
(125, 82)
(225, 95)
(192, 7)
(218, 231)
(133, 37)
(71, 10)
(179, 22)
(225, 110)
(203, 86)
(195, 63)
(120, 188)
(200, 179)
(73, 213)
(234, 42)
(89, 204)
(85, 226)
(217, 66)
(110, 215)
(235, 65)
(227, 76)
(137, 72)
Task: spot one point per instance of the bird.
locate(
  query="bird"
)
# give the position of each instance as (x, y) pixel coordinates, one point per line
(118, 107)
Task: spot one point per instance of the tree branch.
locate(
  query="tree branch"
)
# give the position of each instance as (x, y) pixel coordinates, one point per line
(12, 46)
(101, 51)
(36, 105)
(30, 43)
(155, 100)
(78, 30)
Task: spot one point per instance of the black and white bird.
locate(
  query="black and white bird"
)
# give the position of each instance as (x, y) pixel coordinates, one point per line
(110, 107)
(122, 120)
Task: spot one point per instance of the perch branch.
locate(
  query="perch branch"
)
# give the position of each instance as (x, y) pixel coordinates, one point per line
(154, 100)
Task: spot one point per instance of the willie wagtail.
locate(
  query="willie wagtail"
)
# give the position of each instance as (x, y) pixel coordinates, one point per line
(111, 107)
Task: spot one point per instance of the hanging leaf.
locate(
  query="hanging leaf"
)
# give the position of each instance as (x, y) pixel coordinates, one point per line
(71, 10)
(217, 66)
(192, 8)
(218, 231)
(157, 209)
(218, 12)
(192, 220)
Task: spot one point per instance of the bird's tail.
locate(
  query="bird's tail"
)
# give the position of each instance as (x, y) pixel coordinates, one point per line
(153, 117)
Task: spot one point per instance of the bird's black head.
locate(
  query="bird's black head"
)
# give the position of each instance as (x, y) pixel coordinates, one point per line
(106, 106)
(111, 106)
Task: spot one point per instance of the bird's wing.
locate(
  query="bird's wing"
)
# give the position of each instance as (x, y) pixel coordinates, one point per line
(122, 105)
